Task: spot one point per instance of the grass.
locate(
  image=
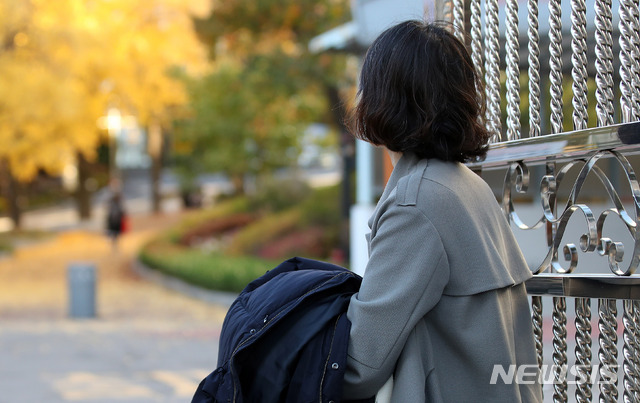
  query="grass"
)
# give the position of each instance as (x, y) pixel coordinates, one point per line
(8, 240)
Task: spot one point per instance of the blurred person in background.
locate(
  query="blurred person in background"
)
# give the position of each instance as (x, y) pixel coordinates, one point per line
(116, 220)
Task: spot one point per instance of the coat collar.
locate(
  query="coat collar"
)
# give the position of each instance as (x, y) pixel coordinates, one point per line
(405, 165)
(408, 163)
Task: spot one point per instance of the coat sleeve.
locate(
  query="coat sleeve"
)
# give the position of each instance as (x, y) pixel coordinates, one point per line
(405, 277)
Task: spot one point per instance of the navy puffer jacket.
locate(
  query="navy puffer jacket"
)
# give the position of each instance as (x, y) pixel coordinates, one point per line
(285, 337)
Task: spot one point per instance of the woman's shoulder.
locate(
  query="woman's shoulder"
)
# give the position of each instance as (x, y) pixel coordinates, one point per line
(435, 182)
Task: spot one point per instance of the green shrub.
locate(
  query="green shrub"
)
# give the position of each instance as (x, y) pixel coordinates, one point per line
(197, 217)
(318, 215)
(216, 227)
(275, 195)
(251, 238)
(307, 242)
(308, 228)
(323, 208)
(212, 271)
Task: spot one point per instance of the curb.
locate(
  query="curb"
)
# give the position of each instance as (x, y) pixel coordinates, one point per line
(222, 298)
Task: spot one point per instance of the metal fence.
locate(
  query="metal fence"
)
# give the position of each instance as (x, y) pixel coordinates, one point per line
(562, 83)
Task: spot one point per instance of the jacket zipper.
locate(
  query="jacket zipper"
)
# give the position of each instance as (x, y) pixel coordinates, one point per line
(326, 363)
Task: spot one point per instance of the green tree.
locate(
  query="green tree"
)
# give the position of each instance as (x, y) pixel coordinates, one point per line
(248, 114)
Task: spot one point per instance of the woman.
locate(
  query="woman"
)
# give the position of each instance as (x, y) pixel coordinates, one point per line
(443, 302)
(116, 219)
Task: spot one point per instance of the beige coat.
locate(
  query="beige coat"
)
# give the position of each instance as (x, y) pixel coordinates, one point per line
(443, 300)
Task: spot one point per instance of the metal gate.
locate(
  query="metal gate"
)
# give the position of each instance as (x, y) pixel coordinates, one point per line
(562, 83)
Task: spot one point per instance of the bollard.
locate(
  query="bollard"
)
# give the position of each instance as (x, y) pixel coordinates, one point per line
(82, 290)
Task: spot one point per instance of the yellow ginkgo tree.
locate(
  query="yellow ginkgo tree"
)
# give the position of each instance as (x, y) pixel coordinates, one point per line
(64, 63)
(43, 116)
(160, 46)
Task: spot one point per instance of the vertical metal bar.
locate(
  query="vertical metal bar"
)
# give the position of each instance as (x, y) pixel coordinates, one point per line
(534, 69)
(536, 318)
(580, 120)
(583, 349)
(560, 349)
(513, 72)
(447, 10)
(636, 61)
(555, 62)
(458, 19)
(636, 353)
(636, 56)
(608, 351)
(550, 227)
(604, 63)
(476, 36)
(492, 69)
(628, 60)
(579, 63)
(630, 353)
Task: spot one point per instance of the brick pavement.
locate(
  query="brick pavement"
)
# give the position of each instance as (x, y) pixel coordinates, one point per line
(147, 343)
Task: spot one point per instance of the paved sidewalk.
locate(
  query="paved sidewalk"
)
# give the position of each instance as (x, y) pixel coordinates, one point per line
(147, 343)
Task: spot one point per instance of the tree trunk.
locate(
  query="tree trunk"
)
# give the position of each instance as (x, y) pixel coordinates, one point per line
(237, 180)
(155, 148)
(11, 192)
(82, 194)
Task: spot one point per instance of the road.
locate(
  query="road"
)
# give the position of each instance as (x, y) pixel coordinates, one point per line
(146, 344)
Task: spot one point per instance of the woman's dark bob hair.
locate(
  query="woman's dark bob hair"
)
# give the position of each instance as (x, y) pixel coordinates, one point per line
(419, 92)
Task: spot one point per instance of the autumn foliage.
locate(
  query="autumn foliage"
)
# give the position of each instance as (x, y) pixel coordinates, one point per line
(63, 63)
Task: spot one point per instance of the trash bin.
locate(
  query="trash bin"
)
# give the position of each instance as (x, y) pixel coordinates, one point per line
(82, 290)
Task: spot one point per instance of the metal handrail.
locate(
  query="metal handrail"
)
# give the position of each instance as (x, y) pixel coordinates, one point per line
(569, 146)
(609, 286)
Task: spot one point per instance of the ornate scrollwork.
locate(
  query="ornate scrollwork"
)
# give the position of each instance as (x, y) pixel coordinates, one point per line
(593, 239)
